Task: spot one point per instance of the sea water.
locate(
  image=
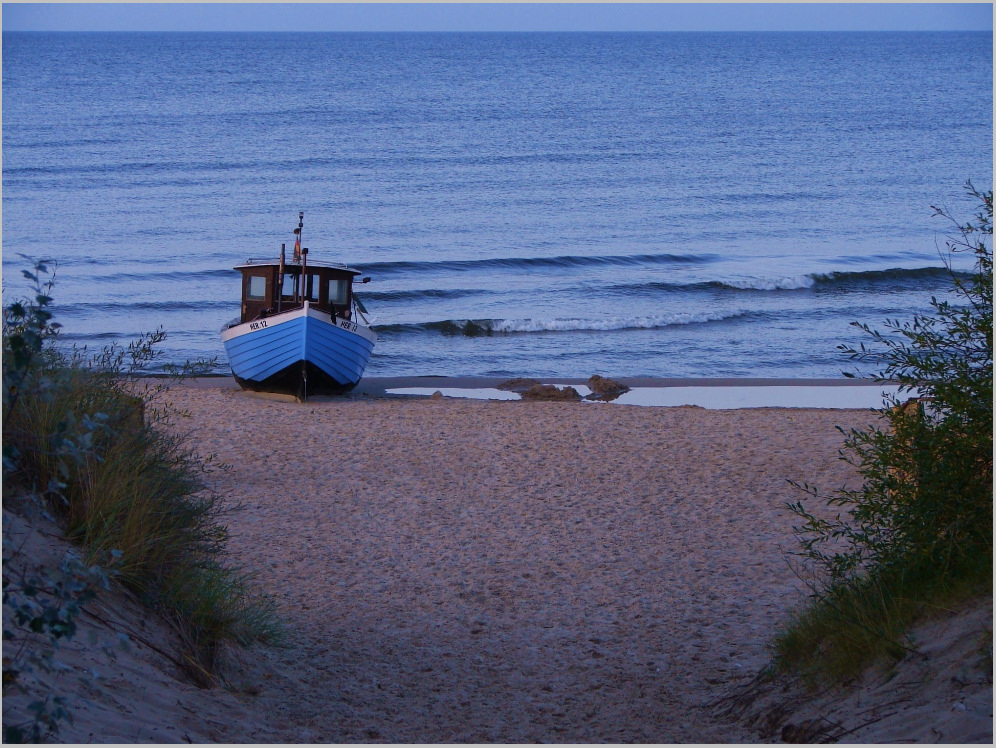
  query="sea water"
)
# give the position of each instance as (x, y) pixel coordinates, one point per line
(628, 204)
(711, 397)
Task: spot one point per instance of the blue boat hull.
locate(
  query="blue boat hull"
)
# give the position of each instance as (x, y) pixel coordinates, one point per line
(300, 352)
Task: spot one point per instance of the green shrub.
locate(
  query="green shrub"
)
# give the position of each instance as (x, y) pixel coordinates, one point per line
(918, 532)
(44, 606)
(90, 437)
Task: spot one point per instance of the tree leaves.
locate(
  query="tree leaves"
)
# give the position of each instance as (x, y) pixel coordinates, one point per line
(926, 500)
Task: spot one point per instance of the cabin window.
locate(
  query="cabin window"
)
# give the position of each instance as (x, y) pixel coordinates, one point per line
(257, 288)
(290, 283)
(314, 286)
(339, 292)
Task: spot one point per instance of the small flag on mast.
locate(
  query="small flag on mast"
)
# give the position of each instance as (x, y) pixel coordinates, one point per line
(297, 245)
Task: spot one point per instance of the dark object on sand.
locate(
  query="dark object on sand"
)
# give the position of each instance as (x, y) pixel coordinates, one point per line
(605, 389)
(519, 384)
(604, 386)
(550, 392)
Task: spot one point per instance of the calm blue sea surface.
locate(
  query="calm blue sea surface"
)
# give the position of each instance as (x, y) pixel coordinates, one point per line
(526, 204)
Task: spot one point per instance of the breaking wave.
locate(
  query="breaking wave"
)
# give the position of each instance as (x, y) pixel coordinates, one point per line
(833, 282)
(841, 281)
(484, 327)
(897, 277)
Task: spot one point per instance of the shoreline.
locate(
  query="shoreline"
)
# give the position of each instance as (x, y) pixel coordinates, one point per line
(373, 386)
(715, 393)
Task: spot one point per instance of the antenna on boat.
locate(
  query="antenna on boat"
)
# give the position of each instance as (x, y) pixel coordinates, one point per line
(297, 253)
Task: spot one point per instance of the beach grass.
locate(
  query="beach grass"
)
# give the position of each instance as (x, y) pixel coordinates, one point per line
(847, 628)
(93, 442)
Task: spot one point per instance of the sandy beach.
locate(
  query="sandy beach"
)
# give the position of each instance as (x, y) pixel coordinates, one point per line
(514, 572)
(463, 571)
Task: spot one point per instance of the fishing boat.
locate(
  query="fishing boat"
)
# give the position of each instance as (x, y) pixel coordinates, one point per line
(302, 330)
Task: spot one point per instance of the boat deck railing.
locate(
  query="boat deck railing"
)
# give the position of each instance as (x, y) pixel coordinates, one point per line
(291, 263)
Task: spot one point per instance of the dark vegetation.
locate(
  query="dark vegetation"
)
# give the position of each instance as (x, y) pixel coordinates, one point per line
(87, 442)
(916, 537)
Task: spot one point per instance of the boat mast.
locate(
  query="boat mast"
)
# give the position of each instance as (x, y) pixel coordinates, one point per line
(304, 271)
(297, 252)
(280, 278)
(302, 255)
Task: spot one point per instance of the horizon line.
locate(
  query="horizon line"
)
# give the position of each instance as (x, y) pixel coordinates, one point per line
(499, 31)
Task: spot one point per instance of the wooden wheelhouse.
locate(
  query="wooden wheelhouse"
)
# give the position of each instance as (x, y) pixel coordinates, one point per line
(268, 290)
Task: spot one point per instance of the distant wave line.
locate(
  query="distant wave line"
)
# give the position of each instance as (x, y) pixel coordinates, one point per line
(168, 276)
(100, 307)
(523, 263)
(321, 162)
(425, 293)
(42, 144)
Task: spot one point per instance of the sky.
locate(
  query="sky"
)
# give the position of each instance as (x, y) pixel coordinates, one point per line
(497, 16)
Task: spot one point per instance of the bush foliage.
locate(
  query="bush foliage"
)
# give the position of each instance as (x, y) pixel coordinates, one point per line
(918, 532)
(87, 439)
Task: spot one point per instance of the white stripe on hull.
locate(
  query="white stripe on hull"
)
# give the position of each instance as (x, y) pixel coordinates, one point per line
(278, 319)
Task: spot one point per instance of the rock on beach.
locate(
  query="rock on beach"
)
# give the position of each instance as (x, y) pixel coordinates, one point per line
(600, 385)
(551, 392)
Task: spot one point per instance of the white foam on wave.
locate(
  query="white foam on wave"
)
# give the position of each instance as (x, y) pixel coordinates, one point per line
(785, 283)
(608, 323)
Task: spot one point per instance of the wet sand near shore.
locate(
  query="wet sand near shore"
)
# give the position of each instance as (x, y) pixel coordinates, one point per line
(378, 386)
(461, 571)
(717, 393)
